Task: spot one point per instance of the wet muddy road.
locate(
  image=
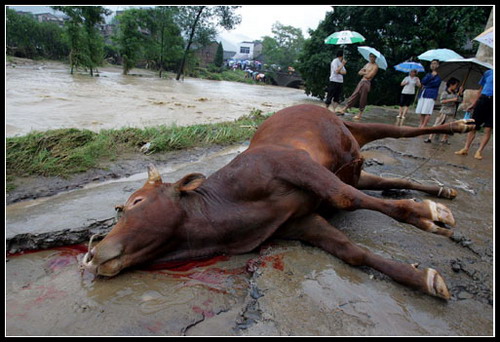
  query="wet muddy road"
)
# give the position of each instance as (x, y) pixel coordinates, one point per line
(282, 288)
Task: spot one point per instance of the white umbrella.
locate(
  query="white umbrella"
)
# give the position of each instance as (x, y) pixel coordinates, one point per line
(344, 37)
(440, 54)
(487, 37)
(467, 70)
(365, 51)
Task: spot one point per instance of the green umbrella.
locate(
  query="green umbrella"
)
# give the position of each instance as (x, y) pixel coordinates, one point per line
(344, 37)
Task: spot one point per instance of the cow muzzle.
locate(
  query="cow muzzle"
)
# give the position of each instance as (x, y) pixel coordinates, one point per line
(103, 259)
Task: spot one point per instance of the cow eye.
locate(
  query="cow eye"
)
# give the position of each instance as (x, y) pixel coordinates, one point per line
(137, 201)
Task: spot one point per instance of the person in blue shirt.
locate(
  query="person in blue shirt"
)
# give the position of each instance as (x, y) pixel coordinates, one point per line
(429, 93)
(483, 115)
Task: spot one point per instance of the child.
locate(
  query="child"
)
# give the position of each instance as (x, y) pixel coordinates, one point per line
(449, 99)
(408, 92)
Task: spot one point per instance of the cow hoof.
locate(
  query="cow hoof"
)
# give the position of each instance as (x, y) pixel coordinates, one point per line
(435, 284)
(464, 126)
(448, 193)
(441, 219)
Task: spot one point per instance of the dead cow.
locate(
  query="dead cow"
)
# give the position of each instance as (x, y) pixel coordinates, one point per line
(300, 158)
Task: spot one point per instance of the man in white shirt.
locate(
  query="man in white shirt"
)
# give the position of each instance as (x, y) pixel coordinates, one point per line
(337, 70)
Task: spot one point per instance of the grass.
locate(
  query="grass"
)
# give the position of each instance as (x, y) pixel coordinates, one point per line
(63, 152)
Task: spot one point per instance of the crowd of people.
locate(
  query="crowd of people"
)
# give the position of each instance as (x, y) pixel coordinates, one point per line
(428, 92)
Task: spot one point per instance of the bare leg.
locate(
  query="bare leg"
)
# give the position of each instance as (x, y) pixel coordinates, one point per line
(368, 181)
(484, 141)
(317, 231)
(405, 110)
(400, 112)
(367, 132)
(470, 138)
(424, 120)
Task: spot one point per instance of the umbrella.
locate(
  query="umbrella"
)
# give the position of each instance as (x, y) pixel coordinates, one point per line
(468, 70)
(487, 37)
(409, 66)
(344, 37)
(365, 52)
(440, 54)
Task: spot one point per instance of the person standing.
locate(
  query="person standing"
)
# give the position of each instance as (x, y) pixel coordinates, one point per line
(449, 100)
(337, 70)
(429, 93)
(408, 93)
(483, 115)
(360, 94)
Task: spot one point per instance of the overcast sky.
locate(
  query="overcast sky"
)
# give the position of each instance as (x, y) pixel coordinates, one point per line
(256, 20)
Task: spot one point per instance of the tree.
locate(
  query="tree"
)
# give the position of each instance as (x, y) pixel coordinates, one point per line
(129, 38)
(285, 45)
(86, 44)
(164, 46)
(219, 56)
(199, 24)
(399, 33)
(26, 37)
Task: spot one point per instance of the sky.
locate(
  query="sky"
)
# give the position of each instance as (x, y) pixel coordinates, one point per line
(256, 20)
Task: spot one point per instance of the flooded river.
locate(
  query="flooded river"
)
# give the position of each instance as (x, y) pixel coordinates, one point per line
(45, 96)
(284, 288)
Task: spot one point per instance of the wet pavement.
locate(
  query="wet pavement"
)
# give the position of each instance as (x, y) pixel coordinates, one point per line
(284, 288)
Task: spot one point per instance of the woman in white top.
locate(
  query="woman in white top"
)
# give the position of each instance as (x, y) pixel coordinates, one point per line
(408, 92)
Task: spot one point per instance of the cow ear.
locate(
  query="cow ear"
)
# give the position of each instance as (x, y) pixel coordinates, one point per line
(189, 182)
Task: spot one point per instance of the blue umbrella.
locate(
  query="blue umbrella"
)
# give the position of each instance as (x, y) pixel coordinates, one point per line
(365, 52)
(409, 66)
(440, 54)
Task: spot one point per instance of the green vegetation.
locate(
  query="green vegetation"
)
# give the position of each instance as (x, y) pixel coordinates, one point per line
(284, 47)
(63, 152)
(25, 37)
(85, 41)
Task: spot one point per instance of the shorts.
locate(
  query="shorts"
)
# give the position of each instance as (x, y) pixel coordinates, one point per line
(334, 92)
(483, 112)
(425, 106)
(406, 100)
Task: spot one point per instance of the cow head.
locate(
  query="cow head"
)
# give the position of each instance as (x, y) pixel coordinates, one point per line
(148, 225)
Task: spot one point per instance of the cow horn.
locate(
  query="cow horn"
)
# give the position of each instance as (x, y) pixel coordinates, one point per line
(153, 174)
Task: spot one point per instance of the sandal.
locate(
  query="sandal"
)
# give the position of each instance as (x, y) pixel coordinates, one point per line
(462, 152)
(445, 142)
(427, 140)
(478, 155)
(357, 117)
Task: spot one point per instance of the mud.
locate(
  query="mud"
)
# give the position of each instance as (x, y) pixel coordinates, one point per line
(284, 288)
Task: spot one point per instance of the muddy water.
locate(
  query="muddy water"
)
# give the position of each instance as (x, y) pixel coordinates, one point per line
(50, 296)
(285, 288)
(45, 96)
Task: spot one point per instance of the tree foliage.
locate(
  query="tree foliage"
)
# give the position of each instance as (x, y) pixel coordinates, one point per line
(284, 47)
(86, 43)
(399, 33)
(164, 44)
(219, 56)
(199, 24)
(25, 37)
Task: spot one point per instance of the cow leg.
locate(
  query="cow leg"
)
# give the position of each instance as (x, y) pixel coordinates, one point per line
(317, 231)
(367, 132)
(310, 176)
(368, 181)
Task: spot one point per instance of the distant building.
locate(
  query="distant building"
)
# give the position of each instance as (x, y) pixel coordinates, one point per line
(50, 18)
(248, 50)
(206, 54)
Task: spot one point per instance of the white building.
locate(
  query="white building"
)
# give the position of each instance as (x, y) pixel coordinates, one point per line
(248, 50)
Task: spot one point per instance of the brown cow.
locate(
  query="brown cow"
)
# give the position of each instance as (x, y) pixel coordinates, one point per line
(299, 158)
